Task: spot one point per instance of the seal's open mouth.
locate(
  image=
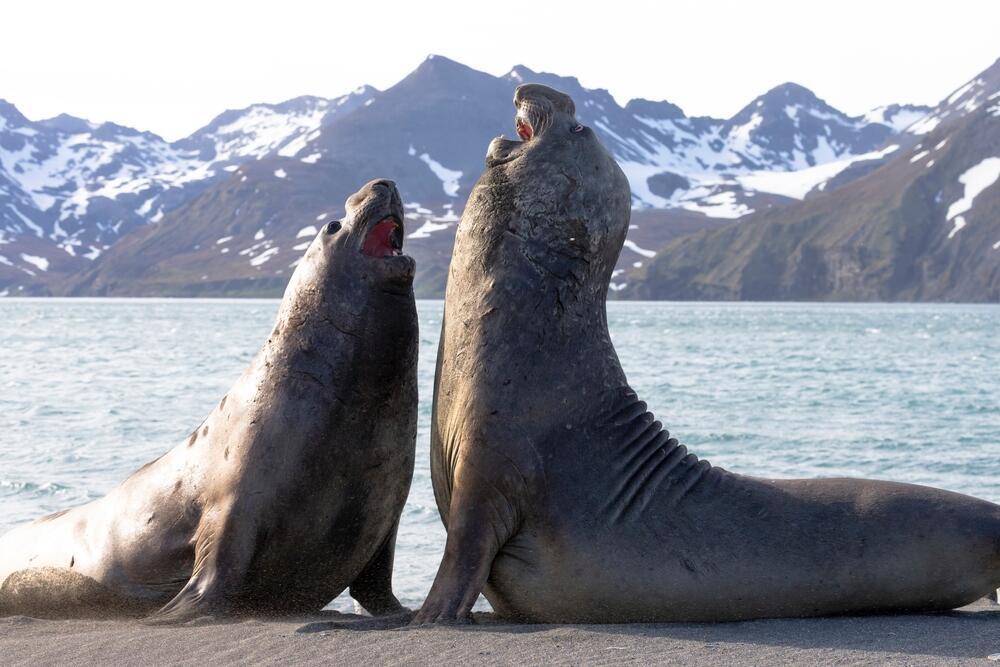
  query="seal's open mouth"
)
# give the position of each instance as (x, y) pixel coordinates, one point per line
(385, 239)
(524, 129)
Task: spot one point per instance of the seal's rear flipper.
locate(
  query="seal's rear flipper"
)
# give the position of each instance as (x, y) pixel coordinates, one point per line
(53, 592)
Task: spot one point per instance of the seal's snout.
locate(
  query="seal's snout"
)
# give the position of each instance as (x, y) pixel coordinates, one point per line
(377, 213)
(376, 224)
(379, 192)
(386, 185)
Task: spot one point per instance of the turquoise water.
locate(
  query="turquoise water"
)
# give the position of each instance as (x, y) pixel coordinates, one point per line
(92, 389)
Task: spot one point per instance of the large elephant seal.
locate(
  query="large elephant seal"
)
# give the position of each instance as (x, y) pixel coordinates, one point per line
(291, 490)
(565, 501)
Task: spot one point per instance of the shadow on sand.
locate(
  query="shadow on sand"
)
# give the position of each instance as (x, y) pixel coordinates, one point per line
(972, 632)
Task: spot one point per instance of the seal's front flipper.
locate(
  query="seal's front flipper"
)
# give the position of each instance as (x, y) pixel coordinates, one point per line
(373, 586)
(222, 556)
(480, 521)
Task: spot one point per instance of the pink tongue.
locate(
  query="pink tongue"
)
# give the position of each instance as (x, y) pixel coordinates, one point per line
(377, 243)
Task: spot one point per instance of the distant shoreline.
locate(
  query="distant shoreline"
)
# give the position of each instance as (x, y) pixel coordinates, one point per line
(611, 300)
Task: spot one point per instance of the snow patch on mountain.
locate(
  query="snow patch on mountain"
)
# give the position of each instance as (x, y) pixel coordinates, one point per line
(958, 225)
(975, 179)
(924, 125)
(262, 130)
(797, 184)
(264, 256)
(898, 117)
(634, 247)
(448, 177)
(718, 205)
(428, 228)
(34, 260)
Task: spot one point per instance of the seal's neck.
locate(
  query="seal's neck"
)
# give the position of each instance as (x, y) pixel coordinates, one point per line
(327, 336)
(547, 322)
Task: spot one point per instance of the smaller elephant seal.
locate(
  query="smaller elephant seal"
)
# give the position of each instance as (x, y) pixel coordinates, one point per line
(291, 490)
(566, 501)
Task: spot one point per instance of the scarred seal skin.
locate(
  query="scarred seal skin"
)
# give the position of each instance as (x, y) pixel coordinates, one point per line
(291, 490)
(563, 497)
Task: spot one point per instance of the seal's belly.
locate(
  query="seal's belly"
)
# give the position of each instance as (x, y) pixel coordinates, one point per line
(90, 541)
(799, 548)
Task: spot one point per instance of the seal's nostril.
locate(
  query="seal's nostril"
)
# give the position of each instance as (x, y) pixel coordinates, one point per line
(332, 227)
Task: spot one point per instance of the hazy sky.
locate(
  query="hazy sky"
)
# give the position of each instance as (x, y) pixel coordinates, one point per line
(171, 66)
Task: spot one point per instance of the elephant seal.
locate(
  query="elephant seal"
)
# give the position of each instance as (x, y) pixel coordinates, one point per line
(565, 501)
(291, 490)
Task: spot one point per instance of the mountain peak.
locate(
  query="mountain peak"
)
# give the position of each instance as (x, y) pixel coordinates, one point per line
(10, 114)
(783, 101)
(67, 123)
(661, 110)
(992, 73)
(520, 73)
(791, 93)
(439, 68)
(568, 84)
(440, 64)
(436, 73)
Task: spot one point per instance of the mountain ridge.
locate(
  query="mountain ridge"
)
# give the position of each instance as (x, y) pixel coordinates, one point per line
(429, 132)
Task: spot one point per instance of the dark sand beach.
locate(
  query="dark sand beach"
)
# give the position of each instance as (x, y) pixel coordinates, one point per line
(968, 635)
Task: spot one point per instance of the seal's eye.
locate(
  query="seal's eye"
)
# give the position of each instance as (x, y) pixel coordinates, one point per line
(332, 227)
(577, 129)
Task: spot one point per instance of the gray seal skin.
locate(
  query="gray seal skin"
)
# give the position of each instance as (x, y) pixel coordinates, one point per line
(566, 501)
(291, 490)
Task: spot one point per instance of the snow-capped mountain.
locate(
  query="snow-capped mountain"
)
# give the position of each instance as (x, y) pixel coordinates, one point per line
(713, 166)
(76, 187)
(69, 189)
(923, 225)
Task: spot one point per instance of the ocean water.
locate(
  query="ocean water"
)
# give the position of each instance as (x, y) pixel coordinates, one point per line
(92, 389)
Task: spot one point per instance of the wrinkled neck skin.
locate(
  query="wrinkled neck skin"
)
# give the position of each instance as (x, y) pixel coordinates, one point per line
(533, 258)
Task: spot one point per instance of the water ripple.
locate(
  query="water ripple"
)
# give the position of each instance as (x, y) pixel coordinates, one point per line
(92, 389)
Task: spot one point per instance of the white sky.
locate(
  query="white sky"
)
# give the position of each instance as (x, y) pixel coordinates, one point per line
(169, 67)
